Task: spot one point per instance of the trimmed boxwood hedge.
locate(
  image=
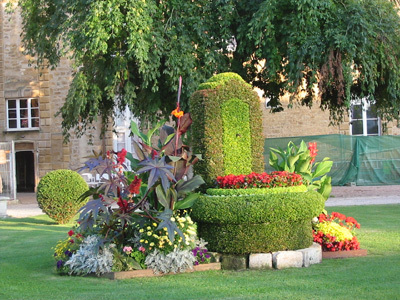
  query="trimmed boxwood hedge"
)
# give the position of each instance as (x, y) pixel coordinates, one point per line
(256, 191)
(59, 192)
(208, 108)
(257, 223)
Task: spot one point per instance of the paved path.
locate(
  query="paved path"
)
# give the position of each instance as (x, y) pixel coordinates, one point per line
(341, 196)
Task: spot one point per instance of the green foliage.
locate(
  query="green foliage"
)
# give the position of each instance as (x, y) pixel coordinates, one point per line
(236, 143)
(344, 47)
(208, 125)
(126, 52)
(299, 160)
(257, 223)
(59, 194)
(256, 191)
(137, 49)
(219, 79)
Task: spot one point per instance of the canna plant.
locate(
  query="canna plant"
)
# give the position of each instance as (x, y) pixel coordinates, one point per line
(155, 188)
(301, 160)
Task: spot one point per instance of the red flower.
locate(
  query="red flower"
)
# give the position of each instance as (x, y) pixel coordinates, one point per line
(134, 187)
(71, 233)
(312, 147)
(121, 156)
(71, 241)
(123, 205)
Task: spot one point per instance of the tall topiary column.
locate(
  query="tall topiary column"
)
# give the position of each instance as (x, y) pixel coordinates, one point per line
(227, 127)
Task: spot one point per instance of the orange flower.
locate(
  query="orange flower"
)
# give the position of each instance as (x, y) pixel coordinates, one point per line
(178, 113)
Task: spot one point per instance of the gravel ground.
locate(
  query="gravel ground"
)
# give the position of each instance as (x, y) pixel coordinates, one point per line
(26, 205)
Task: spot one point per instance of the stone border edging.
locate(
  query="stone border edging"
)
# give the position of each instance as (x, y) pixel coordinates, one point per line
(275, 260)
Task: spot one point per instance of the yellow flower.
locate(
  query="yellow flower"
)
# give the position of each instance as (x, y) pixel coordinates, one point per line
(165, 229)
(149, 233)
(141, 230)
(154, 224)
(148, 228)
(141, 241)
(173, 219)
(151, 244)
(146, 241)
(156, 236)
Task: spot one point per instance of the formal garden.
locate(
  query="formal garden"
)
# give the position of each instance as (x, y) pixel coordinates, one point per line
(170, 209)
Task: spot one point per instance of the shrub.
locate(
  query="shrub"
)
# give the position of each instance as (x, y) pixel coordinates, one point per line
(58, 194)
(227, 127)
(256, 191)
(257, 223)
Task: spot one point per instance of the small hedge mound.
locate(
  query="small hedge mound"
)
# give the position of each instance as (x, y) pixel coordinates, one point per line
(256, 191)
(58, 194)
(257, 223)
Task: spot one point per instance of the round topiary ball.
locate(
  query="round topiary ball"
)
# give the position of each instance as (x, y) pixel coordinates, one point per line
(58, 194)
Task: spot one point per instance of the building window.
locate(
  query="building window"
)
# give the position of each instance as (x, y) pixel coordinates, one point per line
(22, 114)
(363, 118)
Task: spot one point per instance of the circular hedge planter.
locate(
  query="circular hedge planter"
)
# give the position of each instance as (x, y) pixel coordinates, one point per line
(242, 224)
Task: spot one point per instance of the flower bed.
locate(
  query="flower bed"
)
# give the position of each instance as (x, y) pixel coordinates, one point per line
(336, 232)
(137, 218)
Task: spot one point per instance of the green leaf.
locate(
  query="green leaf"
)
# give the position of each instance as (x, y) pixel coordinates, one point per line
(162, 198)
(151, 131)
(134, 161)
(174, 158)
(187, 202)
(273, 160)
(291, 161)
(325, 186)
(135, 130)
(183, 187)
(322, 168)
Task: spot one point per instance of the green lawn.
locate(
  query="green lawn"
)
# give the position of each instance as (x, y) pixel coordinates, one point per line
(27, 269)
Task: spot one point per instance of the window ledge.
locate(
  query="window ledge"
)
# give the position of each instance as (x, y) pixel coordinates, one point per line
(21, 130)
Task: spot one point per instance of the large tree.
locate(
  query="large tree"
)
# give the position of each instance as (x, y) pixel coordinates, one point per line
(126, 52)
(131, 52)
(346, 48)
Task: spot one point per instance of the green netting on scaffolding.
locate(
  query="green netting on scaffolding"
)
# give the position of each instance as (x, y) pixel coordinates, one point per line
(360, 160)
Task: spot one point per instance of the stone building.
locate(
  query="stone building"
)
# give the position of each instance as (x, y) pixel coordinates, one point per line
(304, 121)
(31, 141)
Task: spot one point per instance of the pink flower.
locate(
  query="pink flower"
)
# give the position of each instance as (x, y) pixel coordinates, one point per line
(142, 249)
(127, 249)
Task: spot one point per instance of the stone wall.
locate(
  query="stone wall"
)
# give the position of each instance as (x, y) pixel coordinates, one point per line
(18, 79)
(304, 121)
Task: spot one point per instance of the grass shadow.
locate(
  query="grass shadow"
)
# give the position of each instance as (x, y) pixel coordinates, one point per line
(38, 220)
